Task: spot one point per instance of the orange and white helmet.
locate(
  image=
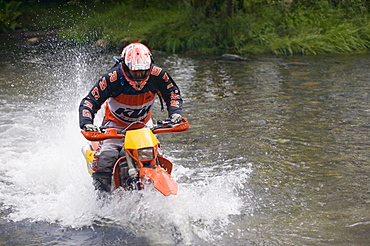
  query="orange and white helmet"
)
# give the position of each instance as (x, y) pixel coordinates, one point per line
(137, 57)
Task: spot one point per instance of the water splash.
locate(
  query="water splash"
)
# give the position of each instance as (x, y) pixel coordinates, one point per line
(44, 177)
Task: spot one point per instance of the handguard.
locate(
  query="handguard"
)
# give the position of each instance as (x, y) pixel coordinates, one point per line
(181, 127)
(109, 133)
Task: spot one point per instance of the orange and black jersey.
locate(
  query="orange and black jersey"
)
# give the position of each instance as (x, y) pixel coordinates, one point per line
(124, 104)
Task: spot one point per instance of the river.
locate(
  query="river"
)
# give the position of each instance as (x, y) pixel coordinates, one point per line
(277, 153)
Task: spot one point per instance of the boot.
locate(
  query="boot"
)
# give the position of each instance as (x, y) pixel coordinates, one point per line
(102, 181)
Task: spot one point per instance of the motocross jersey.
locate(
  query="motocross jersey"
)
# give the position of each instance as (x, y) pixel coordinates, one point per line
(124, 104)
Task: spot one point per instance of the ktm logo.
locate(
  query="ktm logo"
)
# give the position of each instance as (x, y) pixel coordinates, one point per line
(133, 113)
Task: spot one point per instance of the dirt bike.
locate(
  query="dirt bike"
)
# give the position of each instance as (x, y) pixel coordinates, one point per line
(140, 163)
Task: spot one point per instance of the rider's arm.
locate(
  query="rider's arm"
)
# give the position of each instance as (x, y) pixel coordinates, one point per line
(168, 90)
(98, 94)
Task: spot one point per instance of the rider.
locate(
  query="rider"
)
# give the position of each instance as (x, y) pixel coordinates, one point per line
(128, 91)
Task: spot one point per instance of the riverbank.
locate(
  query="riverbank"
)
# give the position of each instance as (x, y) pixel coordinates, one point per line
(264, 29)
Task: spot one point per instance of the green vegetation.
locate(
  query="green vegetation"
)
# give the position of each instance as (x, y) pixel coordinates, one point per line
(216, 26)
(9, 12)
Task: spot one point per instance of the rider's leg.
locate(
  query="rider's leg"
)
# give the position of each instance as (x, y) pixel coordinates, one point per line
(104, 160)
(102, 181)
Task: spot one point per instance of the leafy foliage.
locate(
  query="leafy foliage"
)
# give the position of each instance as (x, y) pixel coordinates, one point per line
(281, 27)
(9, 12)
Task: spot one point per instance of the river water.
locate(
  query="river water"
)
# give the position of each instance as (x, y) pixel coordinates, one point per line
(277, 153)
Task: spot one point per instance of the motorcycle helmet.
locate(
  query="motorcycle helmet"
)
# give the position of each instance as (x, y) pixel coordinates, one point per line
(137, 64)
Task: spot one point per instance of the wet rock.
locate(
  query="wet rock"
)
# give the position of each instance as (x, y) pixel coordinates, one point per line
(32, 41)
(231, 57)
(102, 43)
(127, 40)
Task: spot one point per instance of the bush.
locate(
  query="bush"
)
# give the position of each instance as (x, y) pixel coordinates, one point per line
(9, 12)
(255, 27)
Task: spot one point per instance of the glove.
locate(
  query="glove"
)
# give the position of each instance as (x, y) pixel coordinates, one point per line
(176, 118)
(91, 128)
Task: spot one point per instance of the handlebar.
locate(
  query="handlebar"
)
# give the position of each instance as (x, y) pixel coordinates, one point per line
(119, 132)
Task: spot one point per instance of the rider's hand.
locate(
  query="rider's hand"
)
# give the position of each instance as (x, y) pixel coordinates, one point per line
(176, 118)
(91, 128)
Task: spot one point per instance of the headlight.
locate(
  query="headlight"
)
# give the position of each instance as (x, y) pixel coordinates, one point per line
(146, 154)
